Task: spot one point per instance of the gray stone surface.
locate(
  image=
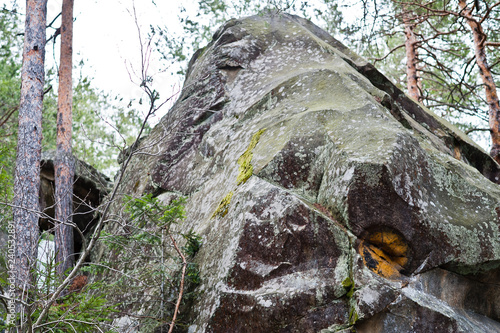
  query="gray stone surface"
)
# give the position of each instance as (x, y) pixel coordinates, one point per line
(327, 200)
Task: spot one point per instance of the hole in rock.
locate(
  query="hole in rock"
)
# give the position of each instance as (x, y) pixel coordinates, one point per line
(231, 71)
(231, 68)
(385, 252)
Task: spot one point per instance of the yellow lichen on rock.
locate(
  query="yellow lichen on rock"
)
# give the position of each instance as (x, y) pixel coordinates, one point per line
(245, 171)
(245, 160)
(223, 207)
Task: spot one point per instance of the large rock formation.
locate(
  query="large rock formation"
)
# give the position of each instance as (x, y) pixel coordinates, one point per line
(327, 199)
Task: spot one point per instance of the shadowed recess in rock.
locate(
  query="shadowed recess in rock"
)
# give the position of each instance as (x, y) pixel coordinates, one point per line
(385, 252)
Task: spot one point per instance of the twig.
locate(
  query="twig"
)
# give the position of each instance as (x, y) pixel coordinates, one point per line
(181, 287)
(477, 129)
(9, 113)
(55, 18)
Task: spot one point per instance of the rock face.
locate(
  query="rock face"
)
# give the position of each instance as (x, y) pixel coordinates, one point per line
(327, 199)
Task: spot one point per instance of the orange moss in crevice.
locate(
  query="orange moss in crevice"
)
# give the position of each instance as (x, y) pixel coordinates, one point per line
(385, 252)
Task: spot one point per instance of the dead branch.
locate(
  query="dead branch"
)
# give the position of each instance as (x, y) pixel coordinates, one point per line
(181, 287)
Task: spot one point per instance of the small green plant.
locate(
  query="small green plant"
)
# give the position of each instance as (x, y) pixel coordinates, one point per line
(349, 286)
(167, 264)
(193, 243)
(150, 209)
(81, 311)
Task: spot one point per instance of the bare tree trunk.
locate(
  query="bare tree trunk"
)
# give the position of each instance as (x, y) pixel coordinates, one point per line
(411, 59)
(64, 166)
(29, 147)
(487, 78)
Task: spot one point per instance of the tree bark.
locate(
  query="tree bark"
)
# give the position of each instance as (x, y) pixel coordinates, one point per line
(486, 76)
(29, 148)
(64, 165)
(411, 59)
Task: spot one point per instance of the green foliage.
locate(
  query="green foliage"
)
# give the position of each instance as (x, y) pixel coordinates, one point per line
(193, 243)
(79, 311)
(84, 310)
(6, 181)
(149, 216)
(145, 251)
(10, 81)
(148, 208)
(10, 62)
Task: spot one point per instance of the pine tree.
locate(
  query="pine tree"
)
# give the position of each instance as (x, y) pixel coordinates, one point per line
(485, 72)
(29, 148)
(64, 166)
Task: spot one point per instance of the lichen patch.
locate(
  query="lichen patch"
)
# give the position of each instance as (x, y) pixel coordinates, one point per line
(223, 207)
(245, 160)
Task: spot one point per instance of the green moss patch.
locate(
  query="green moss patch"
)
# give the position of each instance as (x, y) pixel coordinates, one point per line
(348, 284)
(245, 160)
(353, 316)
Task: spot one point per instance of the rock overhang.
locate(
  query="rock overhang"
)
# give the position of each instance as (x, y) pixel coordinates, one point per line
(89, 190)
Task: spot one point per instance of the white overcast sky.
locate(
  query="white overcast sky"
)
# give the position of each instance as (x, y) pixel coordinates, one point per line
(105, 37)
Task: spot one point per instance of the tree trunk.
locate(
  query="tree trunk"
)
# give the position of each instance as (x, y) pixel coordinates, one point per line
(64, 166)
(411, 59)
(29, 148)
(486, 77)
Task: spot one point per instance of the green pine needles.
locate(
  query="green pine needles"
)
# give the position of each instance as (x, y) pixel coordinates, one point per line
(161, 256)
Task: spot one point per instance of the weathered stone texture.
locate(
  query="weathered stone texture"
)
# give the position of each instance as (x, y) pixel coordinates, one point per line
(327, 199)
